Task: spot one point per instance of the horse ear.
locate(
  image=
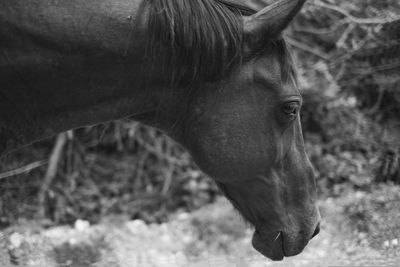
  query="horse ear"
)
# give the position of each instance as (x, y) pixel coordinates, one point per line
(268, 23)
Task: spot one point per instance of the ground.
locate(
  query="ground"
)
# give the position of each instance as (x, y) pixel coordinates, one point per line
(354, 232)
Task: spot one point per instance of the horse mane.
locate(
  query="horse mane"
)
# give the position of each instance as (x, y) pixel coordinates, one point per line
(196, 40)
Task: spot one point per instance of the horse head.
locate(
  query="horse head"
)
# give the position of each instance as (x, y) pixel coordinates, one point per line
(245, 132)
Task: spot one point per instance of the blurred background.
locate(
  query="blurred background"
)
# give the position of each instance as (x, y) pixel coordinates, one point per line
(123, 194)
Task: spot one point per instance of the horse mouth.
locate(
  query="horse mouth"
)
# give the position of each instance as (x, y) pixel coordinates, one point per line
(280, 243)
(272, 249)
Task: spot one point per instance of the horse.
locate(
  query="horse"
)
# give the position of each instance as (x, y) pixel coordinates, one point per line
(215, 75)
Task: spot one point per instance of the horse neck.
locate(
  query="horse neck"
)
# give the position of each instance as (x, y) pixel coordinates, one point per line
(71, 24)
(66, 64)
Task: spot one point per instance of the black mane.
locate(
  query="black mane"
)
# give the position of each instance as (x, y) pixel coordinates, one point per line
(198, 40)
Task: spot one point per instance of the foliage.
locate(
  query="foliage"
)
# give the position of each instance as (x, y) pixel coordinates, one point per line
(118, 168)
(348, 149)
(376, 214)
(355, 47)
(349, 55)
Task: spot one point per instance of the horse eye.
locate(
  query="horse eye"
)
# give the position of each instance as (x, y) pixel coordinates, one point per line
(291, 108)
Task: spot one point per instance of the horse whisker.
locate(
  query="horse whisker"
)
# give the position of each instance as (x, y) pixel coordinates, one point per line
(276, 238)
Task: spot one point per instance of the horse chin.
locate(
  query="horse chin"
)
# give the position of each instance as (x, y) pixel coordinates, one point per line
(272, 249)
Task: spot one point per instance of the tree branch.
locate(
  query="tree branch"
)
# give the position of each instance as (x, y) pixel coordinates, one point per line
(353, 18)
(24, 169)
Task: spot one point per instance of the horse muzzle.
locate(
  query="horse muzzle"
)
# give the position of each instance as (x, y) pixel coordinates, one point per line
(284, 244)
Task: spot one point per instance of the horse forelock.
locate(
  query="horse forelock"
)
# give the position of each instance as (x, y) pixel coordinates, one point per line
(287, 62)
(200, 40)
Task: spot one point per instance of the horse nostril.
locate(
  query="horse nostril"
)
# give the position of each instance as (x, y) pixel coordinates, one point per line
(316, 231)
